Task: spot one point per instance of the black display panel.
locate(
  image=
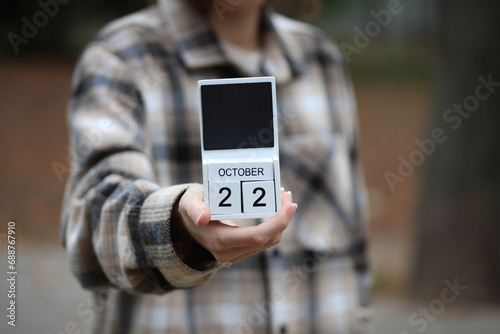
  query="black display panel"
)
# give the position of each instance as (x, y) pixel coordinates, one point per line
(237, 116)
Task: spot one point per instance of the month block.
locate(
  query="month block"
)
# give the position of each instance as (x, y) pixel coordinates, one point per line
(249, 171)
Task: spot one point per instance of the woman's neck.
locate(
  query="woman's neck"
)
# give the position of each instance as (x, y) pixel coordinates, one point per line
(239, 24)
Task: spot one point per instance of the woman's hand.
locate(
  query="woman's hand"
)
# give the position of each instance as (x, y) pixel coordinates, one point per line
(226, 241)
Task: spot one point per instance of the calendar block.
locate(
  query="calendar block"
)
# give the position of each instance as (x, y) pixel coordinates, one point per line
(225, 198)
(258, 197)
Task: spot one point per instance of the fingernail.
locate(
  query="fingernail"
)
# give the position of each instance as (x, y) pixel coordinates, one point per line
(282, 189)
(290, 197)
(293, 209)
(198, 217)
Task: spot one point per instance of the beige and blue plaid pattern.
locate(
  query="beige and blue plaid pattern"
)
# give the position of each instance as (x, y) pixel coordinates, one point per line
(135, 141)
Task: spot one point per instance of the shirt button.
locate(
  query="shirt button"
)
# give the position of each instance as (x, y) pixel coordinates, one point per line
(276, 253)
(283, 329)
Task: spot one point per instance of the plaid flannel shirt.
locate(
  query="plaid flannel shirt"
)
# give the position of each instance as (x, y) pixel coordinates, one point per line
(135, 140)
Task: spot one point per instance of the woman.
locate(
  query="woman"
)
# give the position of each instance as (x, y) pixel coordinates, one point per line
(134, 223)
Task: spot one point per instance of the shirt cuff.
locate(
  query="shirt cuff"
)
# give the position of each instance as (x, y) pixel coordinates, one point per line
(155, 221)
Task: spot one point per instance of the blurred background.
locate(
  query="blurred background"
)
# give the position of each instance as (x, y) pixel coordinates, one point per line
(427, 80)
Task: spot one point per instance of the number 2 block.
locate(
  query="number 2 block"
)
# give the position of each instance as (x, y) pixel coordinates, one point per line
(258, 197)
(225, 197)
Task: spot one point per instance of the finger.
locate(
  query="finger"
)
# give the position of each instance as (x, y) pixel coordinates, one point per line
(218, 236)
(274, 241)
(244, 256)
(277, 224)
(193, 207)
(286, 196)
(228, 222)
(257, 236)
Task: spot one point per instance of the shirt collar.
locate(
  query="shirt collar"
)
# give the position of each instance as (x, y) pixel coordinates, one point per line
(198, 46)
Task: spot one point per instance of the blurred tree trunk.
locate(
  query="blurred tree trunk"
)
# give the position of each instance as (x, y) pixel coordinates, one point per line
(458, 220)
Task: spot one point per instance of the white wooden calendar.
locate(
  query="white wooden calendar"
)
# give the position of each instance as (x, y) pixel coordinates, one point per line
(239, 140)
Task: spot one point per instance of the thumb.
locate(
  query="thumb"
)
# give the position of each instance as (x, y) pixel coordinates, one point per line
(194, 208)
(202, 216)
